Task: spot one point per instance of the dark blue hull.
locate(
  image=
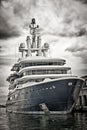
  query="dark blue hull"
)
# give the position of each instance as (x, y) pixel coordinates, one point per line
(58, 96)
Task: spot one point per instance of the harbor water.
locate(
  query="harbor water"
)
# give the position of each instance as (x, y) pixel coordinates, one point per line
(76, 121)
(11, 121)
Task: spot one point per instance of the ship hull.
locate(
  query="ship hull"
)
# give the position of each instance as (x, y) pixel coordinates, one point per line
(58, 96)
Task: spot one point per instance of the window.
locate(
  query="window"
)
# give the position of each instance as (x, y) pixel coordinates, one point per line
(54, 87)
(51, 71)
(40, 63)
(16, 95)
(10, 98)
(27, 92)
(70, 84)
(51, 88)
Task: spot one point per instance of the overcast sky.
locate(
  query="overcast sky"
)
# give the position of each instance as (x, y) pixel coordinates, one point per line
(63, 24)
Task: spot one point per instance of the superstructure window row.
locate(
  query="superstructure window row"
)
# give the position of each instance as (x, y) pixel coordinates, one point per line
(37, 72)
(40, 64)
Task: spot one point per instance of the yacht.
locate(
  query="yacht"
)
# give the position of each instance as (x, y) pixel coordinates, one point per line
(40, 84)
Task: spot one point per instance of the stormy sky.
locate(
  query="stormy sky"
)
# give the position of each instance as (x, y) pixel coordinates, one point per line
(63, 24)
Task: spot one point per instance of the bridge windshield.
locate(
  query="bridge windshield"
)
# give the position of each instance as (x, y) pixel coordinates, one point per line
(42, 72)
(40, 64)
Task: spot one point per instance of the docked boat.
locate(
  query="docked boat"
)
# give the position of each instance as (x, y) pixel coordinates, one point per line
(40, 84)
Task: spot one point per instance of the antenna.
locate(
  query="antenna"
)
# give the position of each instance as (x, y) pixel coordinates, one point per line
(33, 31)
(33, 43)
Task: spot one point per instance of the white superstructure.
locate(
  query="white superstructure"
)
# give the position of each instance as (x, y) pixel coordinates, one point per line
(34, 65)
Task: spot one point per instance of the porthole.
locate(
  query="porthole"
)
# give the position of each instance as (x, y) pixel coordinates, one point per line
(16, 95)
(78, 85)
(30, 89)
(54, 87)
(70, 83)
(22, 93)
(9, 98)
(27, 92)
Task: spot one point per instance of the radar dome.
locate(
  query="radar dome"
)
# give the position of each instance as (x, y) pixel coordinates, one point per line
(46, 45)
(22, 45)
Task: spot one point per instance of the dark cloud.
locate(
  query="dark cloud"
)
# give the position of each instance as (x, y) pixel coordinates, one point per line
(2, 1)
(20, 12)
(81, 32)
(13, 16)
(76, 48)
(66, 33)
(7, 30)
(4, 34)
(83, 1)
(83, 57)
(79, 50)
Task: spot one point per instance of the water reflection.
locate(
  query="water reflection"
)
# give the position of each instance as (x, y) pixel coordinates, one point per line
(57, 122)
(3, 119)
(12, 121)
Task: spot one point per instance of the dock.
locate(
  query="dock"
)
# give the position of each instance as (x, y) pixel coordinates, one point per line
(81, 104)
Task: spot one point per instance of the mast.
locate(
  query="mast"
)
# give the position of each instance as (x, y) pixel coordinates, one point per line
(34, 42)
(33, 32)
